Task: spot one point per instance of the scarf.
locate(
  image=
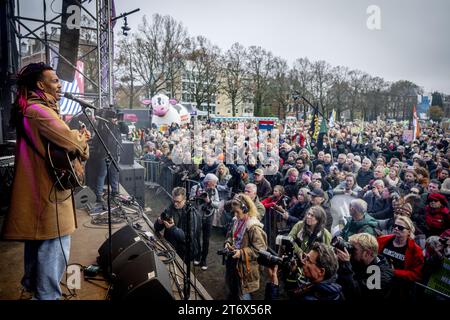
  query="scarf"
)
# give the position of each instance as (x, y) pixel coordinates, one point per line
(239, 228)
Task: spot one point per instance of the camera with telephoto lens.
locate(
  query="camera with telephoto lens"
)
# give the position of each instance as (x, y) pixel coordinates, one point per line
(341, 244)
(200, 199)
(269, 258)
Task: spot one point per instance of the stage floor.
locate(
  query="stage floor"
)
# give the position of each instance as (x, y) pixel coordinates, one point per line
(84, 250)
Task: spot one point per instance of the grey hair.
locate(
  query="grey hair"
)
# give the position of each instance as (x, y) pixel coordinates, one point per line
(210, 177)
(253, 186)
(359, 205)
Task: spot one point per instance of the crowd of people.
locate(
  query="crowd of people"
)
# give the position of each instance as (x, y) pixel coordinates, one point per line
(397, 218)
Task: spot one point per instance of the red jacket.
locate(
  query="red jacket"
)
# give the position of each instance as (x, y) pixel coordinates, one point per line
(437, 220)
(269, 202)
(413, 259)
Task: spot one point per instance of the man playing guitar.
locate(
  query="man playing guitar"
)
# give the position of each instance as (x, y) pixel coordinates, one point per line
(41, 214)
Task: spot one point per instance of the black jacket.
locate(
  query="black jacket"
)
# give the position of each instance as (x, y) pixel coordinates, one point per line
(354, 280)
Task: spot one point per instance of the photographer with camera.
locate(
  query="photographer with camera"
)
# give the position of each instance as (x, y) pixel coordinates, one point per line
(317, 280)
(207, 202)
(173, 222)
(310, 230)
(246, 239)
(357, 280)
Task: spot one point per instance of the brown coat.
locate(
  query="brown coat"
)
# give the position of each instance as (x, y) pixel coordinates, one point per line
(33, 215)
(253, 241)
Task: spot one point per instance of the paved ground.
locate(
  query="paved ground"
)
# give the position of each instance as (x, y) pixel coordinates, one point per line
(213, 278)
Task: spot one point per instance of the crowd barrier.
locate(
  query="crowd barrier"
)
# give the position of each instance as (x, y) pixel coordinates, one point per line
(168, 178)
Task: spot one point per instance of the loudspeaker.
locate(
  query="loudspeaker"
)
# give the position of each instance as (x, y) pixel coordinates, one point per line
(127, 154)
(146, 277)
(132, 179)
(121, 240)
(69, 39)
(84, 196)
(139, 273)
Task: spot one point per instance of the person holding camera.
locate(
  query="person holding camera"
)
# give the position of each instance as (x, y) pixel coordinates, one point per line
(359, 267)
(317, 281)
(207, 203)
(246, 239)
(173, 222)
(310, 230)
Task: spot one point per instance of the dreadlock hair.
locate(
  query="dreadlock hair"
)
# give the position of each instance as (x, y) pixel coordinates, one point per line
(27, 79)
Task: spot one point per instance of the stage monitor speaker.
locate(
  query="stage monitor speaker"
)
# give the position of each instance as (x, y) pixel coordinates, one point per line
(69, 39)
(121, 240)
(146, 277)
(84, 196)
(127, 153)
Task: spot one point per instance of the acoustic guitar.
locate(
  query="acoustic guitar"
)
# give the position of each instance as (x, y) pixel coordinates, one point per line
(67, 169)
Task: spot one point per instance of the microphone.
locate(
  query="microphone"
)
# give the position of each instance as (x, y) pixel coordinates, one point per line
(103, 119)
(82, 103)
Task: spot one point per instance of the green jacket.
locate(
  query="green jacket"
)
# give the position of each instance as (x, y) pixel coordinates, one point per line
(367, 224)
(297, 232)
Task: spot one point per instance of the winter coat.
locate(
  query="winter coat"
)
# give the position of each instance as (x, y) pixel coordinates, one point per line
(437, 220)
(302, 244)
(367, 224)
(253, 241)
(353, 279)
(413, 259)
(378, 207)
(363, 178)
(263, 189)
(327, 290)
(32, 215)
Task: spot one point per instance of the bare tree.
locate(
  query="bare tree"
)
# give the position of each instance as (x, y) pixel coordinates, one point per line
(339, 90)
(301, 79)
(202, 70)
(321, 80)
(260, 67)
(158, 54)
(279, 87)
(235, 80)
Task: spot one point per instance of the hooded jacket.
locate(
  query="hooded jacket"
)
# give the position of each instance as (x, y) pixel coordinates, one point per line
(367, 224)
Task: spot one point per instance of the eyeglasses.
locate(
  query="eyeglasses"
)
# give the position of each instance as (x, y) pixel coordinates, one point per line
(178, 202)
(399, 227)
(306, 258)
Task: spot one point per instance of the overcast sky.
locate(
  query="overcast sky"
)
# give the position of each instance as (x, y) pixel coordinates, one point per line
(412, 44)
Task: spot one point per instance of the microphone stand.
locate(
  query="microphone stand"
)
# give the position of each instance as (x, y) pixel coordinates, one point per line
(187, 277)
(108, 160)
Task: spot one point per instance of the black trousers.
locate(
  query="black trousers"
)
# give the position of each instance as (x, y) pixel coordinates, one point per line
(206, 234)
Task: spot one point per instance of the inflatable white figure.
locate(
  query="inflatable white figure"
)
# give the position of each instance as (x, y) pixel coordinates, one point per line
(166, 111)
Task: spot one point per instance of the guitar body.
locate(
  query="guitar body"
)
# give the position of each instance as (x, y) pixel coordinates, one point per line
(67, 170)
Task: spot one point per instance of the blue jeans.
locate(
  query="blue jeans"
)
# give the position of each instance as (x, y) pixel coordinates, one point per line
(113, 175)
(44, 267)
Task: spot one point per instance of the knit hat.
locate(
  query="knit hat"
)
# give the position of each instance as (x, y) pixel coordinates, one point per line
(438, 197)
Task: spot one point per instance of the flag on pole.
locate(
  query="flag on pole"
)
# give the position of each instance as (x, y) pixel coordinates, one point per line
(332, 119)
(314, 128)
(416, 130)
(322, 131)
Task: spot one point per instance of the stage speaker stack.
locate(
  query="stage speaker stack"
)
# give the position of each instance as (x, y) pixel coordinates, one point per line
(131, 177)
(138, 271)
(69, 39)
(127, 153)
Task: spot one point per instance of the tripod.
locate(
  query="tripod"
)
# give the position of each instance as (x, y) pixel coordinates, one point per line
(108, 160)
